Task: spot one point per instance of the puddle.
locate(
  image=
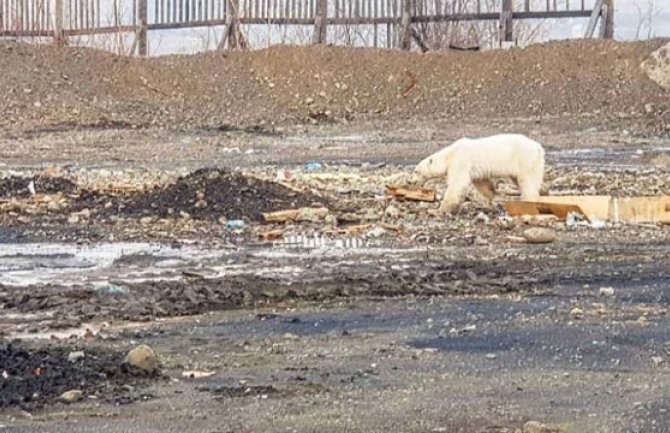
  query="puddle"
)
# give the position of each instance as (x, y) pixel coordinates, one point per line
(69, 264)
(24, 265)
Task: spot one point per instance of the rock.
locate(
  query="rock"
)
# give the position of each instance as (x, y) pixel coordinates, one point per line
(142, 358)
(538, 427)
(657, 360)
(392, 212)
(606, 291)
(72, 396)
(539, 235)
(577, 313)
(76, 356)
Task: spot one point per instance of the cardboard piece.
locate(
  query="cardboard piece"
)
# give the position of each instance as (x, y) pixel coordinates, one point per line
(642, 209)
(624, 209)
(519, 208)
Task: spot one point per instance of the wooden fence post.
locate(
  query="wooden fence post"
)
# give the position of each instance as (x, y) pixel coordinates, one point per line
(232, 37)
(142, 33)
(507, 21)
(608, 19)
(321, 22)
(59, 11)
(406, 25)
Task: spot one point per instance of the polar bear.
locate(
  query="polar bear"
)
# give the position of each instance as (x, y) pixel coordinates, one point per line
(477, 161)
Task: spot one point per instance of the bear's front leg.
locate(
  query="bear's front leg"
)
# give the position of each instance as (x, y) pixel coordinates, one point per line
(458, 183)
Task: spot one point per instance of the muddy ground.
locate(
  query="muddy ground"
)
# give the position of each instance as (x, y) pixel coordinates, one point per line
(415, 323)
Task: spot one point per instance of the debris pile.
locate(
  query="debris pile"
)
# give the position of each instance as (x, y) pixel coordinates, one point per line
(20, 187)
(32, 378)
(208, 194)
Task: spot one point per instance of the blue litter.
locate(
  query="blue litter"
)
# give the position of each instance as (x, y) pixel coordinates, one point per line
(235, 224)
(313, 166)
(112, 289)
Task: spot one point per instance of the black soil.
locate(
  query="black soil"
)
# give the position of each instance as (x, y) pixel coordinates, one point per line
(207, 194)
(16, 186)
(34, 377)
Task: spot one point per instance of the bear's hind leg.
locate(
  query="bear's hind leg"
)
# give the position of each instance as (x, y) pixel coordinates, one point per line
(485, 188)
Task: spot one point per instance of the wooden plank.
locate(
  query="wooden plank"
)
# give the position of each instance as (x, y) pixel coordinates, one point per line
(411, 192)
(302, 214)
(520, 208)
(643, 209)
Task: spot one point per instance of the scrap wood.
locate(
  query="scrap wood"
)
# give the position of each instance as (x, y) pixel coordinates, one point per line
(349, 230)
(302, 214)
(519, 208)
(272, 235)
(392, 227)
(411, 192)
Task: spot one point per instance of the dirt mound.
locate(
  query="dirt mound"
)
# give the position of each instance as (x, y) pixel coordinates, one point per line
(46, 86)
(204, 194)
(657, 66)
(16, 186)
(35, 377)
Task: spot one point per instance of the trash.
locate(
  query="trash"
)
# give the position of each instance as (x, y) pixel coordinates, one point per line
(481, 217)
(376, 232)
(313, 166)
(235, 225)
(194, 374)
(574, 219)
(283, 175)
(31, 188)
(272, 235)
(302, 214)
(111, 289)
(411, 192)
(75, 356)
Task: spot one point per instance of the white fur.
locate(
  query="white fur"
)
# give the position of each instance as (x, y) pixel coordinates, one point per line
(477, 161)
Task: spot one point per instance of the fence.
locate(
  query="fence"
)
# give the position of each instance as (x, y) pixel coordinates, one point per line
(61, 19)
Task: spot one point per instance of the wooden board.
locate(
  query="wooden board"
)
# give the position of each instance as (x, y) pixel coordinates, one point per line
(642, 209)
(519, 208)
(411, 192)
(594, 206)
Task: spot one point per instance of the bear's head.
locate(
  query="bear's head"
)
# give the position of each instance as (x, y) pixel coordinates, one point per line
(427, 169)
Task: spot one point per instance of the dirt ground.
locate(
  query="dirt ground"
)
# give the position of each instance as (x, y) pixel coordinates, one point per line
(381, 316)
